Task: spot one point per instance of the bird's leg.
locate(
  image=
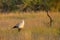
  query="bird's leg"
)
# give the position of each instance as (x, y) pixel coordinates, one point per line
(19, 29)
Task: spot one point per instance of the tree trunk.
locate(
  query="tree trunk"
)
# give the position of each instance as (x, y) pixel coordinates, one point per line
(51, 20)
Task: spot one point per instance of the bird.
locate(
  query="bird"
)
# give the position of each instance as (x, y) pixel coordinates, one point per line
(19, 25)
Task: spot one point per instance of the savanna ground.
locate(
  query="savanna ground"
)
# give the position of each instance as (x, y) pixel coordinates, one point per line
(36, 26)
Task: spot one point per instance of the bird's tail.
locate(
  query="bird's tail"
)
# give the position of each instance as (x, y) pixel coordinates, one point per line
(15, 27)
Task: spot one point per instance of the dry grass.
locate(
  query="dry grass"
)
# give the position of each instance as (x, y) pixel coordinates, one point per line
(36, 26)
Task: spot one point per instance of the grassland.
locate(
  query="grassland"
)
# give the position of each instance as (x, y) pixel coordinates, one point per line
(36, 26)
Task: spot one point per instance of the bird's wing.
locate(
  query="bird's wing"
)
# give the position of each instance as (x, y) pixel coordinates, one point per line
(17, 24)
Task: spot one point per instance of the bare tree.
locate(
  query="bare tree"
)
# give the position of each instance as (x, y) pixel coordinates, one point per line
(47, 9)
(51, 20)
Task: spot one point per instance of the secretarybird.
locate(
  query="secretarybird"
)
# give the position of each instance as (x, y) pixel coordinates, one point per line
(19, 25)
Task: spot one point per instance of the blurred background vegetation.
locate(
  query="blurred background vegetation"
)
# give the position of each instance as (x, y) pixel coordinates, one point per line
(29, 5)
(37, 24)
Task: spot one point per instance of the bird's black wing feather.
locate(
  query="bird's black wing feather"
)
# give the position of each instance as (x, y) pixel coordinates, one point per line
(15, 27)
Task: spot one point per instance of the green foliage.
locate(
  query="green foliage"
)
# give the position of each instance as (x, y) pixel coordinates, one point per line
(34, 5)
(12, 5)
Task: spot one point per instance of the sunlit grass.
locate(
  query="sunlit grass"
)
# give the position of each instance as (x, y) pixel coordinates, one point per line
(36, 24)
